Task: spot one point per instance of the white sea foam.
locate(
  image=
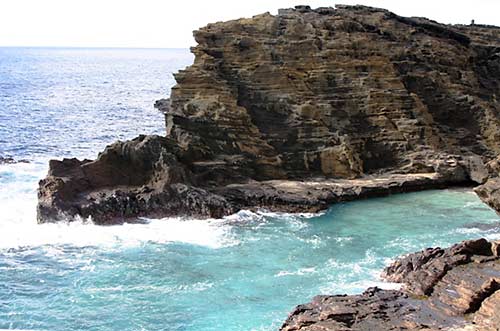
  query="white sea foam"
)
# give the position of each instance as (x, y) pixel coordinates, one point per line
(18, 227)
(198, 232)
(343, 283)
(163, 288)
(406, 244)
(364, 284)
(289, 215)
(493, 236)
(299, 272)
(315, 241)
(470, 204)
(354, 277)
(245, 217)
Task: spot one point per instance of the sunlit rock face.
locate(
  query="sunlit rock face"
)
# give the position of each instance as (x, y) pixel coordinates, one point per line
(296, 111)
(337, 92)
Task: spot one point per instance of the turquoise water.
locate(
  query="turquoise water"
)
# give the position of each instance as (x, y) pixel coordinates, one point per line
(244, 272)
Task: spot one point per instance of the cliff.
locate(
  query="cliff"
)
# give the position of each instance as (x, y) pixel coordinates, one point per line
(296, 111)
(337, 93)
(457, 288)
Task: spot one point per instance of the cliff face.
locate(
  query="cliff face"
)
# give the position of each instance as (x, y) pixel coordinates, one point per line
(296, 111)
(337, 92)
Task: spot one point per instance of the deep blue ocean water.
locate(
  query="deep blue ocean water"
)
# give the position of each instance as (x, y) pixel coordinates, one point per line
(244, 272)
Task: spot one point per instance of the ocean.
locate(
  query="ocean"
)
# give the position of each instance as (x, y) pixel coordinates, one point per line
(244, 272)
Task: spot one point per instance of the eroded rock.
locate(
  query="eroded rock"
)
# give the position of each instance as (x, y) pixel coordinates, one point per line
(456, 288)
(129, 179)
(273, 104)
(489, 192)
(338, 93)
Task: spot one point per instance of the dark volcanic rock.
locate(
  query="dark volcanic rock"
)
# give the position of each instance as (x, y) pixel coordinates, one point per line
(11, 160)
(420, 272)
(281, 111)
(6, 160)
(129, 179)
(145, 177)
(443, 289)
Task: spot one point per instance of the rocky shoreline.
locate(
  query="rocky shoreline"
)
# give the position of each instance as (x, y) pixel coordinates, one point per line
(143, 177)
(296, 111)
(310, 107)
(457, 288)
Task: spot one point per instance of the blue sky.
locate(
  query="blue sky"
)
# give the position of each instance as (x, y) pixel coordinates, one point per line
(155, 23)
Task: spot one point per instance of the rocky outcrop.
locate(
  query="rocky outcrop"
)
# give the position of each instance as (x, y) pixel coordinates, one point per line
(337, 92)
(6, 160)
(11, 160)
(456, 288)
(306, 99)
(128, 180)
(148, 176)
(489, 192)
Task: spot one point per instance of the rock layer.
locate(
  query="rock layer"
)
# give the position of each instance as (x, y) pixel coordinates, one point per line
(489, 192)
(273, 105)
(456, 288)
(337, 93)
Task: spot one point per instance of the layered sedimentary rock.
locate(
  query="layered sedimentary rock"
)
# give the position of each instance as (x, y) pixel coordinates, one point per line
(337, 92)
(457, 288)
(279, 111)
(489, 192)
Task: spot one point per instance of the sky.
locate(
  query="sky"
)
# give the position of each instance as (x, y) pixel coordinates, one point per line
(169, 24)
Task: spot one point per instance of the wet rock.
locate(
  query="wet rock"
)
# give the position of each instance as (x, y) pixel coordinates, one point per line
(128, 180)
(11, 160)
(420, 272)
(341, 312)
(6, 160)
(462, 294)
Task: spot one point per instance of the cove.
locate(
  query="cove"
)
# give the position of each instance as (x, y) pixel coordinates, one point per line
(243, 272)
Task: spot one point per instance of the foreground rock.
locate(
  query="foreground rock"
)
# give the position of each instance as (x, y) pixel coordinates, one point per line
(281, 111)
(457, 288)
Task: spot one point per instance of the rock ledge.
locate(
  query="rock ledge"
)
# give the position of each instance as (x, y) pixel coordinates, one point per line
(456, 288)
